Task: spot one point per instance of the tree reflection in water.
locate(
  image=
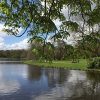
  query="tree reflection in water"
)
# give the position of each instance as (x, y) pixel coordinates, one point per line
(54, 76)
(88, 89)
(64, 84)
(75, 85)
(34, 73)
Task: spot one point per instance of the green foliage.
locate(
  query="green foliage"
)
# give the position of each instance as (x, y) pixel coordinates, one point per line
(69, 25)
(37, 16)
(94, 16)
(61, 35)
(13, 54)
(89, 45)
(42, 51)
(94, 63)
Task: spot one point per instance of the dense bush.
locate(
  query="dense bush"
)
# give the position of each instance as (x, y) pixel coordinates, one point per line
(94, 63)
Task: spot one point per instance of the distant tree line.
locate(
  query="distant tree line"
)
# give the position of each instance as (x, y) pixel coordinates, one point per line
(13, 53)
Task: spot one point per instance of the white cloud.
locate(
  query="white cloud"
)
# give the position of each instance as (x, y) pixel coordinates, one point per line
(2, 34)
(1, 43)
(19, 45)
(57, 23)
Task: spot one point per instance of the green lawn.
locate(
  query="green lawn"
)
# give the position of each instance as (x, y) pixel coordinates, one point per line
(82, 65)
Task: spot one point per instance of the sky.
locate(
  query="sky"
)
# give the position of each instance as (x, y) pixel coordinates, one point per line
(9, 42)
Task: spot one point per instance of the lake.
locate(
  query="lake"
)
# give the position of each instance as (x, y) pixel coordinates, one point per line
(23, 82)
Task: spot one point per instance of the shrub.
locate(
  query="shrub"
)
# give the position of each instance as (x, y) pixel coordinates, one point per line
(94, 63)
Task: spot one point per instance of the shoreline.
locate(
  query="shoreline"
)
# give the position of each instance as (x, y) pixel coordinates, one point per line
(61, 64)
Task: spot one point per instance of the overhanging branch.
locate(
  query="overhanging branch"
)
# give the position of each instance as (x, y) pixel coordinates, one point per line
(23, 32)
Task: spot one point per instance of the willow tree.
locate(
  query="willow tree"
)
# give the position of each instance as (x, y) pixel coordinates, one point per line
(37, 17)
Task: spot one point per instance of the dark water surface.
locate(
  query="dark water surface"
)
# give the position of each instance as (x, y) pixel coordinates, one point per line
(24, 82)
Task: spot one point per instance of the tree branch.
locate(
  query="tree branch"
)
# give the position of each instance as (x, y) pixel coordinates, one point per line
(23, 32)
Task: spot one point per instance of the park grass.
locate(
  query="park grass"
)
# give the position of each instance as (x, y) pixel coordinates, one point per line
(82, 65)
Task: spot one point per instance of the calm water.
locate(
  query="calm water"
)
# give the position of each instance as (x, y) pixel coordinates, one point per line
(23, 82)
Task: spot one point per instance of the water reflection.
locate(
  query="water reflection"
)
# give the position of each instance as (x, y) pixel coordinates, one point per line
(79, 85)
(34, 73)
(8, 87)
(23, 82)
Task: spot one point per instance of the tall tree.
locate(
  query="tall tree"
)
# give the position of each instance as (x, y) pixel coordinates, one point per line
(37, 17)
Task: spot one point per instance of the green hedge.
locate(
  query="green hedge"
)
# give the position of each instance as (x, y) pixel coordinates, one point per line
(94, 63)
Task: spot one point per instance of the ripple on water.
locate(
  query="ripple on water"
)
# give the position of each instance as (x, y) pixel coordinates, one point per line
(7, 88)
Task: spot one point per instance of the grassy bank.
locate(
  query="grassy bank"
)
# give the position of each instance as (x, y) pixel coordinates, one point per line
(82, 65)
